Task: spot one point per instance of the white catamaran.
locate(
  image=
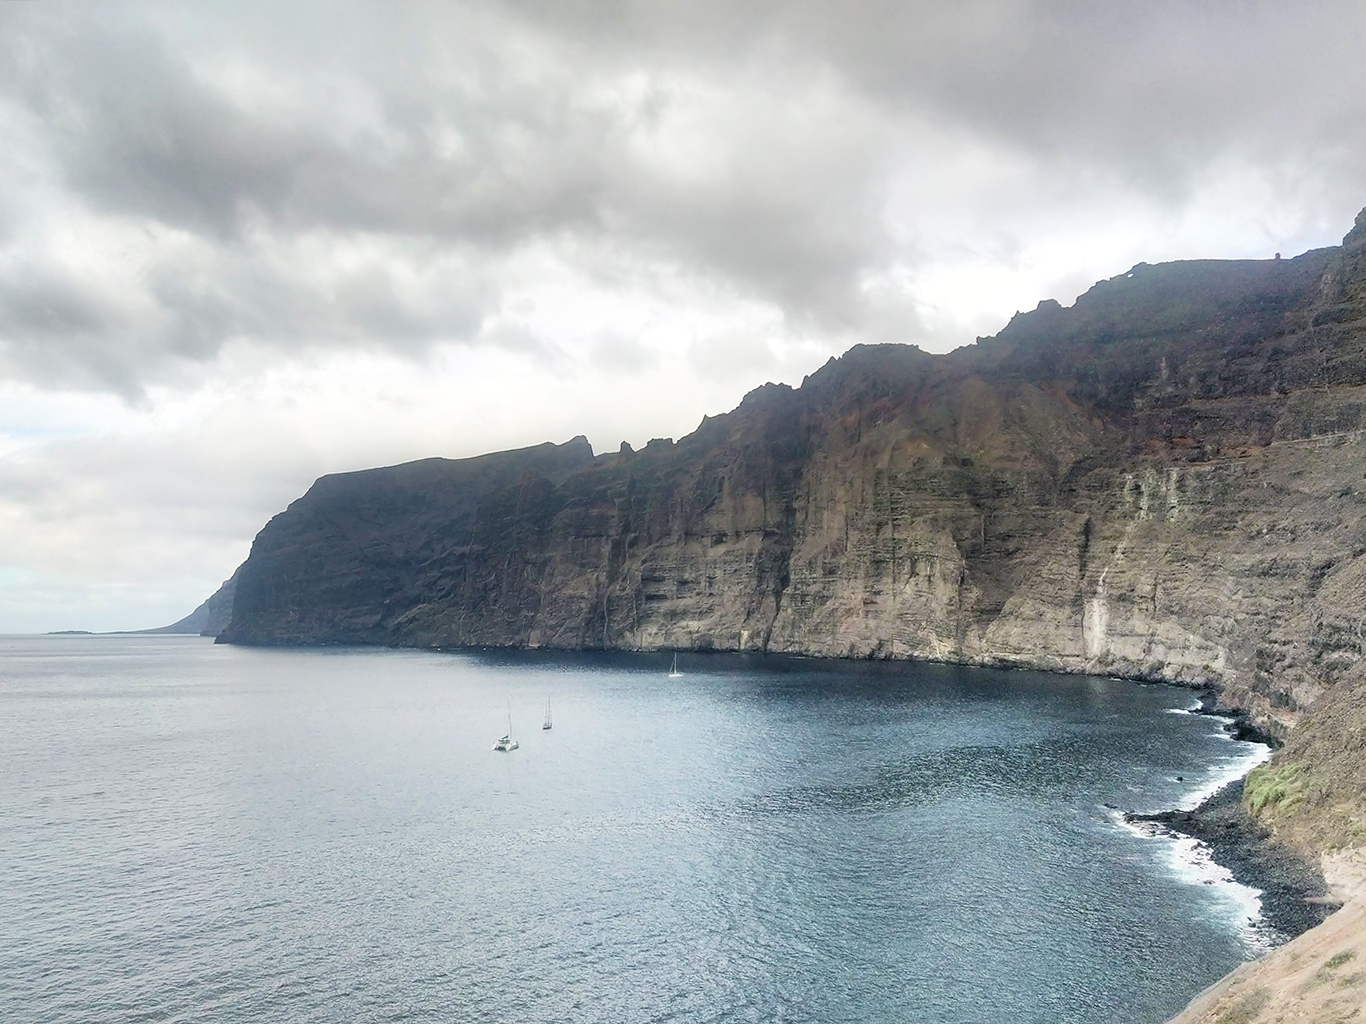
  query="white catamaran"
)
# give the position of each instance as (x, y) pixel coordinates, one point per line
(507, 742)
(673, 672)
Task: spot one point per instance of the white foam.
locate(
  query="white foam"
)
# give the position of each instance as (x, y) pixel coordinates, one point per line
(1191, 861)
(1244, 757)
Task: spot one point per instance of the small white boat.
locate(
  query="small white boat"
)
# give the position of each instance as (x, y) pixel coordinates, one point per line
(673, 672)
(546, 724)
(507, 742)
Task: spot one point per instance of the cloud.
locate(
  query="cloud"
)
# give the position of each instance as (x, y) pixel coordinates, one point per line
(352, 176)
(244, 244)
(157, 502)
(1136, 86)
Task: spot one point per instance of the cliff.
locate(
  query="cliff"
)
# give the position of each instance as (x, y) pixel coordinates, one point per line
(1162, 481)
(212, 615)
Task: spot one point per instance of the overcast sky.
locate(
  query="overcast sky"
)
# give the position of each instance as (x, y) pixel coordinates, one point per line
(242, 245)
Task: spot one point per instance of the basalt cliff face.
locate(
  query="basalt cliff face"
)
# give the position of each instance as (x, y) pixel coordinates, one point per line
(1164, 480)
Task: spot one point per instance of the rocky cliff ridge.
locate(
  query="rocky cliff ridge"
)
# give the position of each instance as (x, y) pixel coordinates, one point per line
(1164, 481)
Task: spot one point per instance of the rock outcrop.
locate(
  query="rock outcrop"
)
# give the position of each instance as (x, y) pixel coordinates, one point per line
(1163, 481)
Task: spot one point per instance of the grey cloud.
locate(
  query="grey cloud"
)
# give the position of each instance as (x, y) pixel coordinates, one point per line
(1131, 86)
(620, 352)
(798, 235)
(500, 155)
(46, 303)
(463, 134)
(57, 328)
(240, 294)
(513, 337)
(137, 128)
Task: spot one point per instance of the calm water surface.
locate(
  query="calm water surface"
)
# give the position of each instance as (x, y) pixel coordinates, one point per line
(191, 832)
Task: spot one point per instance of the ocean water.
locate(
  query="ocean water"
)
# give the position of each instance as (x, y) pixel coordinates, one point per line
(191, 832)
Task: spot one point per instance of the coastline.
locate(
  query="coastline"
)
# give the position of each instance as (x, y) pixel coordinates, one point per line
(1316, 977)
(1295, 897)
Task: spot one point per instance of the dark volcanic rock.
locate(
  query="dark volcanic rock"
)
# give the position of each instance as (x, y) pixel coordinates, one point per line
(360, 556)
(1294, 893)
(1163, 481)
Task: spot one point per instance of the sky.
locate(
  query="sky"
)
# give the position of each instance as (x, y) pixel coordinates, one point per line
(243, 245)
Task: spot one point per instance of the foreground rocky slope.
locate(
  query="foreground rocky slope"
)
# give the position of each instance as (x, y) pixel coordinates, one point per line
(1319, 978)
(1312, 794)
(1163, 481)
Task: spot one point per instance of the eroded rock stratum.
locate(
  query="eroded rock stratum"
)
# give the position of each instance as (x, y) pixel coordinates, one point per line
(1165, 480)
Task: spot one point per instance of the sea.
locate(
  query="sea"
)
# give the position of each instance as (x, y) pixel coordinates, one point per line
(197, 832)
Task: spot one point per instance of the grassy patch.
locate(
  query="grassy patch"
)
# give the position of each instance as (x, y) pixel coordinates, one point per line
(1325, 974)
(1245, 1010)
(1273, 788)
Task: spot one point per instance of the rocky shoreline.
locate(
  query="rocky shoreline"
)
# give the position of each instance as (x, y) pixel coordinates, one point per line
(1237, 722)
(1295, 896)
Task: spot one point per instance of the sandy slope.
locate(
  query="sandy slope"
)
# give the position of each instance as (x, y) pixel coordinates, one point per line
(1320, 977)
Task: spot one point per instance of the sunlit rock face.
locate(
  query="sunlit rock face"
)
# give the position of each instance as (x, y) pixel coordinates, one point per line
(1164, 481)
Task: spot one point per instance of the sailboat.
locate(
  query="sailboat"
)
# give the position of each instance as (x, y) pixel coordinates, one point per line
(546, 723)
(673, 672)
(507, 742)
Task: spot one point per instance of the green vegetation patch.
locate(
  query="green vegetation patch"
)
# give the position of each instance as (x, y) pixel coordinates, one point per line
(1338, 959)
(1245, 1010)
(1271, 788)
(1327, 973)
